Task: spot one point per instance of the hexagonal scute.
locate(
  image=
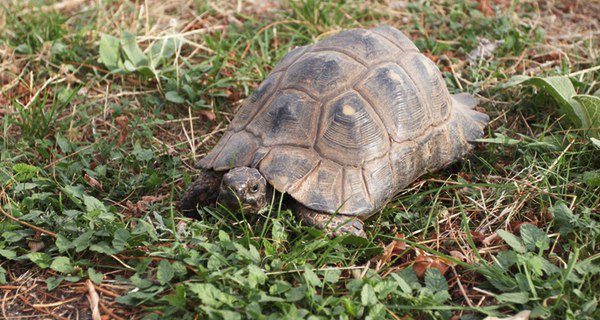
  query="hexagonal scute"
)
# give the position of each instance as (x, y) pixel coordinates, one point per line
(351, 131)
(320, 189)
(431, 83)
(290, 118)
(355, 198)
(394, 96)
(396, 36)
(360, 44)
(255, 101)
(290, 58)
(283, 167)
(238, 151)
(321, 73)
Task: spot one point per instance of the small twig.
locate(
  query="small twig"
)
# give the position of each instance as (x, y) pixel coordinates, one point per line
(94, 299)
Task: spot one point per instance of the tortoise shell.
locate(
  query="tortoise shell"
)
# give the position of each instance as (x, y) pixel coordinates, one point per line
(344, 124)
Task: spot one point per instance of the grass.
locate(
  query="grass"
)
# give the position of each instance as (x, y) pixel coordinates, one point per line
(97, 146)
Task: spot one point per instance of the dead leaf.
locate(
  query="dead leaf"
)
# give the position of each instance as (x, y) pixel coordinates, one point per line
(523, 315)
(485, 8)
(394, 248)
(490, 239)
(35, 246)
(142, 205)
(423, 262)
(93, 182)
(122, 122)
(485, 50)
(208, 114)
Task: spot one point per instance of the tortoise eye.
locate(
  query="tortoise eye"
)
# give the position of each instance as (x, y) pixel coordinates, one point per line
(254, 188)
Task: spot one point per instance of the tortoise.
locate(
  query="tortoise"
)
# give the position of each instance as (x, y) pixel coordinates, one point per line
(340, 126)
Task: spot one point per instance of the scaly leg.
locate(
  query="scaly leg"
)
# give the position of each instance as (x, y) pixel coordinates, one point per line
(333, 225)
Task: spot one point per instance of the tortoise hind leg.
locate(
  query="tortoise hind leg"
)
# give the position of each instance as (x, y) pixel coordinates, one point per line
(333, 225)
(202, 192)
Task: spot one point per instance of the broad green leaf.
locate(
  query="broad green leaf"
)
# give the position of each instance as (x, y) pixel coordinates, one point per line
(561, 89)
(211, 295)
(591, 178)
(120, 239)
(165, 272)
(174, 97)
(564, 218)
(512, 240)
(62, 243)
(404, 286)
(40, 258)
(62, 264)
(435, 281)
(109, 52)
(24, 172)
(311, 277)
(514, 297)
(332, 276)
(8, 254)
(92, 204)
(177, 299)
(95, 276)
(368, 296)
(133, 51)
(534, 237)
(256, 276)
(591, 110)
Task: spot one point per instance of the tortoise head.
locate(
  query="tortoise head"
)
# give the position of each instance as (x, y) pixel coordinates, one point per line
(244, 189)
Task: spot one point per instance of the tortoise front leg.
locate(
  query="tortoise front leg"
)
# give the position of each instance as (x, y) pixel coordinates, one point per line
(333, 225)
(202, 192)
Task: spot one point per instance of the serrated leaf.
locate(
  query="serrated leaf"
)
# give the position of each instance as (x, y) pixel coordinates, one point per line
(24, 172)
(109, 52)
(534, 237)
(512, 240)
(368, 296)
(210, 295)
(62, 264)
(435, 281)
(513, 297)
(164, 272)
